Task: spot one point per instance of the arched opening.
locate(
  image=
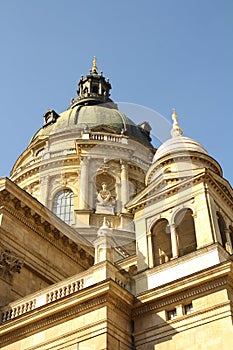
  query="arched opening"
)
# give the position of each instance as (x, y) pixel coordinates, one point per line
(63, 205)
(94, 89)
(185, 230)
(161, 242)
(222, 228)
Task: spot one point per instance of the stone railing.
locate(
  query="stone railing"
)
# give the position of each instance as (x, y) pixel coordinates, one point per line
(18, 310)
(44, 297)
(63, 289)
(97, 136)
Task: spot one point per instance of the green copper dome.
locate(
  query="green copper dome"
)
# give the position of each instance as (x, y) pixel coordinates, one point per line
(88, 117)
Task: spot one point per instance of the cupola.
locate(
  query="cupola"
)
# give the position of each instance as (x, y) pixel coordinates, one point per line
(94, 88)
(180, 155)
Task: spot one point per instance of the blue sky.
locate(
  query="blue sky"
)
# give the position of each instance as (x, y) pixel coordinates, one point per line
(157, 53)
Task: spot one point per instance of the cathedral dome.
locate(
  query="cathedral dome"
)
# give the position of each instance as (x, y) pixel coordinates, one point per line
(90, 149)
(82, 117)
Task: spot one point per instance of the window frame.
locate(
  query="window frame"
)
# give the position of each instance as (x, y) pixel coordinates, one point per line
(63, 205)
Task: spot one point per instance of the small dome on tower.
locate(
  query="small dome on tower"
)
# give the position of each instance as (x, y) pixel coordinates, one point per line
(178, 142)
(183, 154)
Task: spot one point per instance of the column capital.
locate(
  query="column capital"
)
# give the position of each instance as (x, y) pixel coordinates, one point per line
(85, 160)
(172, 226)
(9, 264)
(123, 164)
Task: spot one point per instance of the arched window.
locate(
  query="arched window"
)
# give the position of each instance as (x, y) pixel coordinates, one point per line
(161, 242)
(185, 232)
(63, 205)
(222, 227)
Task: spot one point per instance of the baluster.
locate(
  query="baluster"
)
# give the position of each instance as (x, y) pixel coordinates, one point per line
(72, 288)
(4, 318)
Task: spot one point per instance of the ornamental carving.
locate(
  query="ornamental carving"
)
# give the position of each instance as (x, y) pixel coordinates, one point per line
(9, 264)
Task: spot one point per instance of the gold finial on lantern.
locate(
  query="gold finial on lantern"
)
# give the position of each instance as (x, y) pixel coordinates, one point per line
(94, 66)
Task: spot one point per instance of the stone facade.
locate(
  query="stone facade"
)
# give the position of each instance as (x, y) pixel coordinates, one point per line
(104, 245)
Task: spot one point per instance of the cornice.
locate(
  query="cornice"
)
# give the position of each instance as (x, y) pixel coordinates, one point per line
(43, 165)
(172, 158)
(149, 195)
(205, 281)
(152, 197)
(178, 297)
(35, 216)
(221, 189)
(53, 236)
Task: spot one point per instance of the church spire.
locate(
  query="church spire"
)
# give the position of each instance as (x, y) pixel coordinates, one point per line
(176, 130)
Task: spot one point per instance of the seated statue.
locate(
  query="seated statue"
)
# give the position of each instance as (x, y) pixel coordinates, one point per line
(104, 195)
(105, 202)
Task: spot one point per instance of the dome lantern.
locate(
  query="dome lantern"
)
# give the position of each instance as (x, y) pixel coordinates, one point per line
(93, 88)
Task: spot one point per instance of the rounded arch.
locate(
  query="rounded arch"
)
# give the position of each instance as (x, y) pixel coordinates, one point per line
(185, 230)
(63, 205)
(59, 187)
(161, 242)
(178, 209)
(222, 229)
(151, 223)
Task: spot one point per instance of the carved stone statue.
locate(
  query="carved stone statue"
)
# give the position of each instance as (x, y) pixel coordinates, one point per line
(104, 195)
(105, 202)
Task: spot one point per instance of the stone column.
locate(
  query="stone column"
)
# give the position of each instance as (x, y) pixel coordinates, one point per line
(44, 187)
(124, 186)
(150, 250)
(118, 197)
(83, 184)
(91, 194)
(175, 250)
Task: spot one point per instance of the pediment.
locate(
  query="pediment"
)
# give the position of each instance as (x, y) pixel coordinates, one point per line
(164, 185)
(156, 187)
